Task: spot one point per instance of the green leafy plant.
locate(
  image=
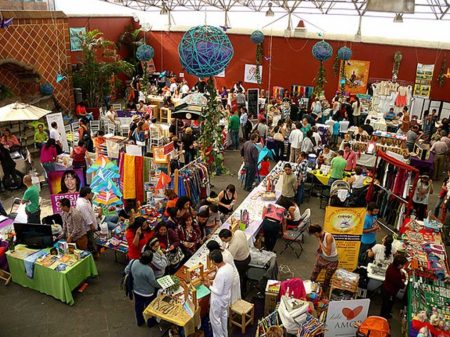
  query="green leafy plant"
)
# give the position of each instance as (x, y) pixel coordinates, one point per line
(259, 55)
(130, 40)
(5, 92)
(210, 139)
(99, 63)
(320, 81)
(442, 72)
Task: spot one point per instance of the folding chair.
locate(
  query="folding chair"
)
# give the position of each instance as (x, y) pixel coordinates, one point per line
(294, 237)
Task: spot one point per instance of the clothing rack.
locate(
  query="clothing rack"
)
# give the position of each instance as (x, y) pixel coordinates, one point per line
(195, 181)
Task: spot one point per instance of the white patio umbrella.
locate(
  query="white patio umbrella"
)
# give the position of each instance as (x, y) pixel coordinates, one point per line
(21, 112)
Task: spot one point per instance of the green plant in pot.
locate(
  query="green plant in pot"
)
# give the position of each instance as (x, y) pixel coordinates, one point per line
(99, 64)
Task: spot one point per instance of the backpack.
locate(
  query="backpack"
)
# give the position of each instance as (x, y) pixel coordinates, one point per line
(127, 282)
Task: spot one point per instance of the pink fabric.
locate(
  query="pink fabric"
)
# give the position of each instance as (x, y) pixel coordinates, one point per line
(48, 154)
(350, 157)
(274, 212)
(296, 288)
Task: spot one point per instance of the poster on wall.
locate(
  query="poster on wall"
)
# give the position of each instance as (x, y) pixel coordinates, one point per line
(221, 74)
(75, 38)
(150, 67)
(250, 73)
(68, 181)
(342, 316)
(424, 76)
(346, 225)
(356, 77)
(253, 101)
(57, 117)
(55, 198)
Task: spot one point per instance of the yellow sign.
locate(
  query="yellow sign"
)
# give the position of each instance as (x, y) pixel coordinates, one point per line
(346, 225)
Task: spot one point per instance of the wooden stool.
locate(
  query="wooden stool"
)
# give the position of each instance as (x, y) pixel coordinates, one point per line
(243, 312)
(5, 276)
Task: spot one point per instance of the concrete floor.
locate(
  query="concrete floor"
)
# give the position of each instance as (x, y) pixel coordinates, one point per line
(102, 309)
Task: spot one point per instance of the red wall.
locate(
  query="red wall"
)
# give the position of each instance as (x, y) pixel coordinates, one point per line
(293, 63)
(111, 27)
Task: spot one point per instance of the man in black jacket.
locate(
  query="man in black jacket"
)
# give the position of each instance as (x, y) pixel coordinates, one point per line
(249, 154)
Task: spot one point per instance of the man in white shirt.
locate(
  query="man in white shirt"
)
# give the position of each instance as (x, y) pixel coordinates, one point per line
(295, 139)
(237, 244)
(220, 295)
(84, 206)
(54, 134)
(111, 115)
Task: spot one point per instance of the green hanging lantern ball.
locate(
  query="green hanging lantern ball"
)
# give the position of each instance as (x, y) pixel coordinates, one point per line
(205, 51)
(257, 37)
(322, 51)
(145, 52)
(344, 53)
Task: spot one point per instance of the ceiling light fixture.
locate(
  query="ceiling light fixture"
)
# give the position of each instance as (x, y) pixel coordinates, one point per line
(398, 18)
(270, 12)
(164, 10)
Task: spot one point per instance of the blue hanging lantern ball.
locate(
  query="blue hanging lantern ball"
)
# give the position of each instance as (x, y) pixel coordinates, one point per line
(145, 52)
(257, 37)
(342, 81)
(46, 89)
(344, 53)
(322, 51)
(205, 51)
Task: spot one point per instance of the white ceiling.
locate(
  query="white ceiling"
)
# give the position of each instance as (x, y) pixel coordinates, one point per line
(429, 25)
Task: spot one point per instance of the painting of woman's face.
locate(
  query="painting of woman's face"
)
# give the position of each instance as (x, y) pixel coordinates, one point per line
(71, 182)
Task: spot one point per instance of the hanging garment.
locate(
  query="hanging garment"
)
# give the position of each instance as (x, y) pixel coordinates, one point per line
(129, 181)
(139, 178)
(401, 100)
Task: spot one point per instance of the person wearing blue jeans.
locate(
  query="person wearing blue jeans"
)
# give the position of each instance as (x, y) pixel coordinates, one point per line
(234, 124)
(369, 237)
(250, 154)
(234, 134)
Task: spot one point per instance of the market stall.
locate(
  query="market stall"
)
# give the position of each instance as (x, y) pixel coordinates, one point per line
(53, 272)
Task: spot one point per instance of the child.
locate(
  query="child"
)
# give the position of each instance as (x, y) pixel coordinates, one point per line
(264, 168)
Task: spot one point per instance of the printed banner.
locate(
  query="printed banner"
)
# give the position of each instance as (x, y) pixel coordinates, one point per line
(424, 76)
(356, 77)
(75, 38)
(55, 198)
(57, 117)
(63, 182)
(342, 316)
(250, 73)
(346, 225)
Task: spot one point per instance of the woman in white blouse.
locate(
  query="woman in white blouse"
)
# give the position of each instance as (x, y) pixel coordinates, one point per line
(383, 252)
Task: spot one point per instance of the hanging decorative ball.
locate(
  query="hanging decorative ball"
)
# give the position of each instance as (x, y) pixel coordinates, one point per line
(322, 51)
(205, 51)
(257, 37)
(145, 52)
(46, 89)
(344, 53)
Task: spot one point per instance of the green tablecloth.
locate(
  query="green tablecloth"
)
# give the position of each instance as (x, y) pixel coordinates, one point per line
(51, 282)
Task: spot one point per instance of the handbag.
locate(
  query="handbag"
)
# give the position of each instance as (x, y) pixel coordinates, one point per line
(278, 137)
(175, 256)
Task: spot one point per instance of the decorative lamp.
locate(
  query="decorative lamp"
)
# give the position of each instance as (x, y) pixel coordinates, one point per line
(322, 51)
(257, 37)
(205, 51)
(344, 53)
(46, 89)
(145, 52)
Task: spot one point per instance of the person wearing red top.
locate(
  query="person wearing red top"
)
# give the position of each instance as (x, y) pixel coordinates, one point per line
(48, 155)
(394, 281)
(350, 157)
(172, 198)
(264, 168)
(79, 156)
(137, 235)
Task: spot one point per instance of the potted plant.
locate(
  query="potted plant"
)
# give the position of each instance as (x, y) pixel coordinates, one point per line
(96, 73)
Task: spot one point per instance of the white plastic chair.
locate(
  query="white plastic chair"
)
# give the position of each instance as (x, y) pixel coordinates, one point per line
(95, 127)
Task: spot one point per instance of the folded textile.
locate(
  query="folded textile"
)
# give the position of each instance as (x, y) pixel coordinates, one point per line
(129, 180)
(30, 260)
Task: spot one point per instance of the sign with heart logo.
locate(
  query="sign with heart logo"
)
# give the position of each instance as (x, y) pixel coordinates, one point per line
(342, 316)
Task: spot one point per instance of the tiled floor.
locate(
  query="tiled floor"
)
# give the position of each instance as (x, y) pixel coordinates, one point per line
(102, 309)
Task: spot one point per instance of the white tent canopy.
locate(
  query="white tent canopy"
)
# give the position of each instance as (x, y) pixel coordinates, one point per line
(428, 26)
(21, 112)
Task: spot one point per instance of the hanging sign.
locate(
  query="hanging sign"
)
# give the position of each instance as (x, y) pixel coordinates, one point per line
(424, 76)
(356, 76)
(346, 225)
(250, 73)
(57, 117)
(342, 316)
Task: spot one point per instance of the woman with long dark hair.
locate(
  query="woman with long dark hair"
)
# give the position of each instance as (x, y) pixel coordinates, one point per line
(48, 155)
(70, 182)
(227, 198)
(383, 252)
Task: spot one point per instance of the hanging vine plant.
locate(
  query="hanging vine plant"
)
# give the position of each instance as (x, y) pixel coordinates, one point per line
(336, 65)
(441, 77)
(321, 51)
(344, 54)
(257, 37)
(397, 60)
